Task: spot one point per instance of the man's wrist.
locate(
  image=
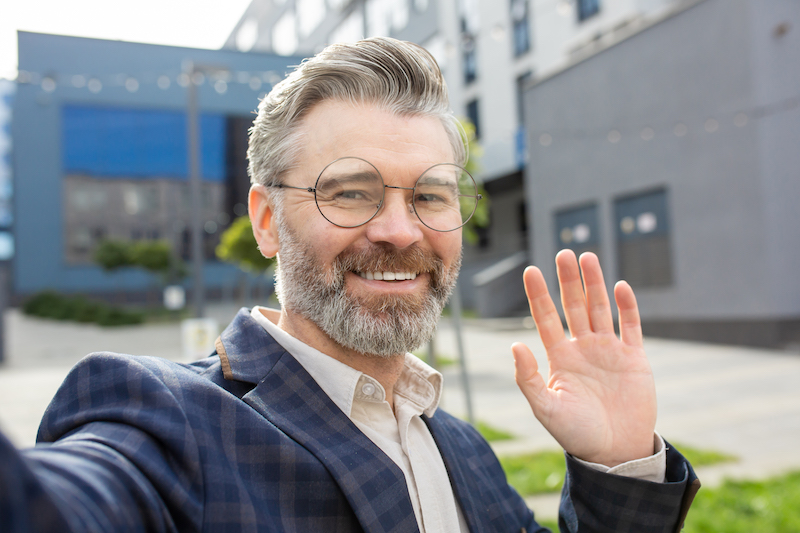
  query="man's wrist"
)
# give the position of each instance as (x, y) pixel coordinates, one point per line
(651, 468)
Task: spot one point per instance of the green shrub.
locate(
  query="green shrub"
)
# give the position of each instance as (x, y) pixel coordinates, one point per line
(50, 304)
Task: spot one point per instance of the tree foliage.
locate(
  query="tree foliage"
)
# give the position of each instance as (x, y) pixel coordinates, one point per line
(481, 217)
(238, 246)
(155, 256)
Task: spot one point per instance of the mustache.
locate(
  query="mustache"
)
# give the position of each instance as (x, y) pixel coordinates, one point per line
(381, 257)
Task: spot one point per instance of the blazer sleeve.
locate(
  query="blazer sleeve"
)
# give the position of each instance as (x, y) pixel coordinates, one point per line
(116, 453)
(597, 502)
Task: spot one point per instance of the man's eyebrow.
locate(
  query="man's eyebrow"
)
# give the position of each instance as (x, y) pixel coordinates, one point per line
(352, 177)
(441, 181)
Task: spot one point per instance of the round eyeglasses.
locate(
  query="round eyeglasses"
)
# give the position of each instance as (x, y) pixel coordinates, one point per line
(349, 192)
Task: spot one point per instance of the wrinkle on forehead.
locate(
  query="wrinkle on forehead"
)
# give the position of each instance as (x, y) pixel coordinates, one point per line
(332, 130)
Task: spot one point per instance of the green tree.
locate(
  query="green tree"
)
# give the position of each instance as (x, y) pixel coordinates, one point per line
(112, 254)
(155, 256)
(238, 246)
(481, 217)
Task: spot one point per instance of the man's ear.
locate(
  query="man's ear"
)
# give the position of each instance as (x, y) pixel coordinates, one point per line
(262, 218)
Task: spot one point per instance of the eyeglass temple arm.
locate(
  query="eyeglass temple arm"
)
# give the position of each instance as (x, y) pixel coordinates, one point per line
(283, 186)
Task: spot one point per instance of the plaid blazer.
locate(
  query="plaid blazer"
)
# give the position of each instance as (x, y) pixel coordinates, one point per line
(246, 441)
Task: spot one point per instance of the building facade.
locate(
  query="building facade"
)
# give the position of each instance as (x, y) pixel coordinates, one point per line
(100, 152)
(671, 153)
(488, 51)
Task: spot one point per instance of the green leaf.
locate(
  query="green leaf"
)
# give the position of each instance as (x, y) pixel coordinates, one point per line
(238, 246)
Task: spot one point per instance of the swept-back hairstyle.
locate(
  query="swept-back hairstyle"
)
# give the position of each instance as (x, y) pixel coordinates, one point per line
(398, 76)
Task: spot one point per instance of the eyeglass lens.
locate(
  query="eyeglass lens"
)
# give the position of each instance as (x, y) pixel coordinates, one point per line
(349, 192)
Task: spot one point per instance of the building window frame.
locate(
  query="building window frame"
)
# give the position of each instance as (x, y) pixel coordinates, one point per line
(520, 27)
(644, 238)
(587, 9)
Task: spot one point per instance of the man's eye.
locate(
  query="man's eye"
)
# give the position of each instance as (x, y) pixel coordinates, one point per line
(352, 194)
(429, 198)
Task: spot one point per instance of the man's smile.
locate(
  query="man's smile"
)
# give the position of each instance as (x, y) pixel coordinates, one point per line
(388, 276)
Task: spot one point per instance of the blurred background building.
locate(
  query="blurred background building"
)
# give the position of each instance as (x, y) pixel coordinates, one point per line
(671, 152)
(100, 152)
(657, 133)
(652, 132)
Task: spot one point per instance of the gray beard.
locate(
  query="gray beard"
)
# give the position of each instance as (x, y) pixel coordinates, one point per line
(383, 325)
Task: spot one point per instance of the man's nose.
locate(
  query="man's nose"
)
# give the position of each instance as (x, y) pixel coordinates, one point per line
(396, 223)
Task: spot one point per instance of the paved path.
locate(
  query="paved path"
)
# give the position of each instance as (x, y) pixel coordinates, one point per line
(742, 401)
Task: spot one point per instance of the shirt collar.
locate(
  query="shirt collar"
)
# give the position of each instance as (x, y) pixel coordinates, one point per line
(418, 383)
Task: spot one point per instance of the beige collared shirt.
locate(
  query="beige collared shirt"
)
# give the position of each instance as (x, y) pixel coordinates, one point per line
(402, 435)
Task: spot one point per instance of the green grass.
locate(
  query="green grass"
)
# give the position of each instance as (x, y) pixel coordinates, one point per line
(768, 506)
(535, 473)
(492, 434)
(442, 361)
(540, 472)
(748, 506)
(698, 457)
(552, 525)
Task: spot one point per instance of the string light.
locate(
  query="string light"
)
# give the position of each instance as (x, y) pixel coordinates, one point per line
(51, 81)
(711, 125)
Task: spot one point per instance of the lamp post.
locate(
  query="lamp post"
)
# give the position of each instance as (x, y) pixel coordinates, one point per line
(194, 74)
(193, 137)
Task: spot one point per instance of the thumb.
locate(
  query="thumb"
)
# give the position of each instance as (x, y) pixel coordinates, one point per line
(529, 380)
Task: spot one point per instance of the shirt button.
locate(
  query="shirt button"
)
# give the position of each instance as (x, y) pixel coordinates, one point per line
(368, 389)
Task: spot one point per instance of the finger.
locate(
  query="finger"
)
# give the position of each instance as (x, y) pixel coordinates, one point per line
(572, 297)
(529, 380)
(630, 324)
(543, 310)
(596, 294)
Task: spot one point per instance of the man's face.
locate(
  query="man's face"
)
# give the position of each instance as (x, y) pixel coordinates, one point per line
(326, 273)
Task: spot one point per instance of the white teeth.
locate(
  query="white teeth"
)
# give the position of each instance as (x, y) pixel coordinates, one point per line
(388, 276)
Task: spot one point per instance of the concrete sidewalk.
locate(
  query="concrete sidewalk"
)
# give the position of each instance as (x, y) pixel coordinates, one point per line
(741, 401)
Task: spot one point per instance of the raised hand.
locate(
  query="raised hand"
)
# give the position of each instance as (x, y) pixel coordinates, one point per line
(599, 401)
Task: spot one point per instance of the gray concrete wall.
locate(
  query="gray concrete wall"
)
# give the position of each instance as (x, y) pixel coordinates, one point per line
(732, 189)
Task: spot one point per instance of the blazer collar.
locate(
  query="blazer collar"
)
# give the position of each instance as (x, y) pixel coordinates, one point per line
(287, 396)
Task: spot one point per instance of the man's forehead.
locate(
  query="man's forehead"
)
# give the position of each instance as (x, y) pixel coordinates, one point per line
(338, 128)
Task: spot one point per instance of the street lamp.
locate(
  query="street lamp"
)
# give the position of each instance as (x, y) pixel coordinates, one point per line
(194, 74)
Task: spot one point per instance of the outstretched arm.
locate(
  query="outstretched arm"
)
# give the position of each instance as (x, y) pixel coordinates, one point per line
(599, 400)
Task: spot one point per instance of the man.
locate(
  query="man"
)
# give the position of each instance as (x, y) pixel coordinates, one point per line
(315, 417)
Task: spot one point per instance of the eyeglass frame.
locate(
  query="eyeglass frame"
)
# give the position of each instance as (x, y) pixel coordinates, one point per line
(478, 197)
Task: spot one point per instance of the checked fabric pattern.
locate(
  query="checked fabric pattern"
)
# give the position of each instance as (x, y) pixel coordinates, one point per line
(246, 441)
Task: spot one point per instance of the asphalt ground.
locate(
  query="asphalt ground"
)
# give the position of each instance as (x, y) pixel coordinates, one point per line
(737, 400)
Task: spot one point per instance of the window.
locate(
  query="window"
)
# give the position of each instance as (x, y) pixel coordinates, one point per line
(643, 244)
(578, 230)
(470, 16)
(474, 117)
(125, 175)
(587, 8)
(470, 58)
(521, 82)
(520, 26)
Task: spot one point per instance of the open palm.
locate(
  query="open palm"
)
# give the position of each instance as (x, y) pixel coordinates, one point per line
(599, 400)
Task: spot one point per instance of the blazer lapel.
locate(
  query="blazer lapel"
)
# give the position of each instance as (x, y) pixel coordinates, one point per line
(289, 398)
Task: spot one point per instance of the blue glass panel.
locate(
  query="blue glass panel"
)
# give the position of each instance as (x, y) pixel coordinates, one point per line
(138, 143)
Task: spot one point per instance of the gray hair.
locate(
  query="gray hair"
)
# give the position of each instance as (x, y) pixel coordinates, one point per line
(398, 76)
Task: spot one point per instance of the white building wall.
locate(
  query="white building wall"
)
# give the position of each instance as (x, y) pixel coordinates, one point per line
(557, 38)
